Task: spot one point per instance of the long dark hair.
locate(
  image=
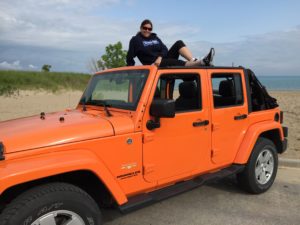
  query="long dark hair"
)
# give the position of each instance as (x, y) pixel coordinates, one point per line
(146, 21)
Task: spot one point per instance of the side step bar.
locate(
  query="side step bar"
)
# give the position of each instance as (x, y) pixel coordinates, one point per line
(146, 199)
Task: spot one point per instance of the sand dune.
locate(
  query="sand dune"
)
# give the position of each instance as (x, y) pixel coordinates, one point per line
(28, 103)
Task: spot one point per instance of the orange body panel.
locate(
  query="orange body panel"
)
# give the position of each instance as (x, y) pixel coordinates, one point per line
(34, 132)
(21, 170)
(253, 132)
(177, 150)
(227, 133)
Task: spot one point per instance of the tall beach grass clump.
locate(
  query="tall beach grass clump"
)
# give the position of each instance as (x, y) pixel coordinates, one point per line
(13, 81)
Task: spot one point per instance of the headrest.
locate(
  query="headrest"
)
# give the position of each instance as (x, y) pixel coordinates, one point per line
(187, 89)
(226, 88)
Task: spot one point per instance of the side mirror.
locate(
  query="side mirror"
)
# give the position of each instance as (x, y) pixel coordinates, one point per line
(160, 108)
(163, 108)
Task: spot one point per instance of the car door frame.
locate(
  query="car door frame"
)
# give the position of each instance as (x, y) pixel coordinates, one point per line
(150, 136)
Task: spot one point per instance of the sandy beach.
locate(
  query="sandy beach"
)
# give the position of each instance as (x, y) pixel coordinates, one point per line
(289, 102)
(29, 103)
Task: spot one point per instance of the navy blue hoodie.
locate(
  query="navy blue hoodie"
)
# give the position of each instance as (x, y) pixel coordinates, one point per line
(146, 49)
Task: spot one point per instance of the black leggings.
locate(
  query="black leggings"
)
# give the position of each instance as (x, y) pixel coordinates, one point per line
(173, 54)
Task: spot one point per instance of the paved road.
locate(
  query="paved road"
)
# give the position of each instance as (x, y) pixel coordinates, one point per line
(222, 203)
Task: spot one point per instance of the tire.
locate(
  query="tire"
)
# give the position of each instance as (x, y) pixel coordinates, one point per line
(261, 168)
(53, 204)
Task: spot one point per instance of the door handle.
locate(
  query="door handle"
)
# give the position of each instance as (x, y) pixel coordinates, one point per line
(200, 123)
(240, 117)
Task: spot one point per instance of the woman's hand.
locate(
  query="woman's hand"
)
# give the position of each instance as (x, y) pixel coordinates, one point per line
(157, 61)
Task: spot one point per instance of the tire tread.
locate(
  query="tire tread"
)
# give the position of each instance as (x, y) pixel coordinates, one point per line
(245, 178)
(35, 193)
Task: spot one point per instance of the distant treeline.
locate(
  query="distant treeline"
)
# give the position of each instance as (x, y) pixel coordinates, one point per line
(13, 81)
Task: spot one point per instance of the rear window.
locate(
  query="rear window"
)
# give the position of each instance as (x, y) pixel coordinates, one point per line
(227, 90)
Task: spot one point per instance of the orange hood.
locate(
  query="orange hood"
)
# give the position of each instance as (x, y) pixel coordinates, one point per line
(34, 132)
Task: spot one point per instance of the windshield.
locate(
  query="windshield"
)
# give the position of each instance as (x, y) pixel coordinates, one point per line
(119, 89)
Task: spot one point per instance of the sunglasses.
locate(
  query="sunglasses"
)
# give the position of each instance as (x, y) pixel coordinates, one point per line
(147, 28)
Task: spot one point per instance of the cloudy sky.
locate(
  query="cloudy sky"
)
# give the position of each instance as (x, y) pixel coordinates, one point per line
(67, 34)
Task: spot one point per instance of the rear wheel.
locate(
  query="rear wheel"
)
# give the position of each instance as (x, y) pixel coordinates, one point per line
(52, 204)
(261, 169)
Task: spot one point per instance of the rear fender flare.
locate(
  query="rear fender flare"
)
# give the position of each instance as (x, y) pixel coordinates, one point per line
(251, 137)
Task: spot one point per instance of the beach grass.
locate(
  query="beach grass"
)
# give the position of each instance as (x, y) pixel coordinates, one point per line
(11, 82)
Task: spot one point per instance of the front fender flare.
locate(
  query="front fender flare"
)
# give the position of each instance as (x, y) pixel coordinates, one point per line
(22, 170)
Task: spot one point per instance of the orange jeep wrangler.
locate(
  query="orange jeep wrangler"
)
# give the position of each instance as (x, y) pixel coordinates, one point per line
(139, 135)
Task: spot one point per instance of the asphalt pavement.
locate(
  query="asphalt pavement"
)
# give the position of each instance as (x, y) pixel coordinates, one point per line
(222, 203)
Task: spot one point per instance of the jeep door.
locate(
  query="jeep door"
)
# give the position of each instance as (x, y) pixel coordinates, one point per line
(181, 145)
(229, 113)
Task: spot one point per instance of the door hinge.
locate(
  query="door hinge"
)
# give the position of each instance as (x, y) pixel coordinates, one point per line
(215, 126)
(148, 137)
(149, 168)
(217, 156)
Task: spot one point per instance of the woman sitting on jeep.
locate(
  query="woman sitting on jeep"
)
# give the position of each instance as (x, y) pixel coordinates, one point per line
(151, 50)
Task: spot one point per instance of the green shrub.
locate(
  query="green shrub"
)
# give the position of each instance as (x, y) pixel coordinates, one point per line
(13, 81)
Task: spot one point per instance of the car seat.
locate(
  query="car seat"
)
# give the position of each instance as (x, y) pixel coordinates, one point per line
(188, 98)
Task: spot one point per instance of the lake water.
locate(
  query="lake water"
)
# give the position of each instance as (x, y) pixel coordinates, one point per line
(282, 83)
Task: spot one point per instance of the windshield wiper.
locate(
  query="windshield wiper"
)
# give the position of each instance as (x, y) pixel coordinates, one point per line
(82, 101)
(100, 103)
(108, 114)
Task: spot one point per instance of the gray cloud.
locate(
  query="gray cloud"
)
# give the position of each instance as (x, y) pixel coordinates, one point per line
(60, 24)
(60, 59)
(10, 66)
(68, 33)
(273, 53)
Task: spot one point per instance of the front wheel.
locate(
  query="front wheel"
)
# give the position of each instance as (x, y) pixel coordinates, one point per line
(261, 169)
(52, 204)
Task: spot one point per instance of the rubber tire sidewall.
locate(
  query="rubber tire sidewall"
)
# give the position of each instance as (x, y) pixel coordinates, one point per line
(60, 200)
(247, 178)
